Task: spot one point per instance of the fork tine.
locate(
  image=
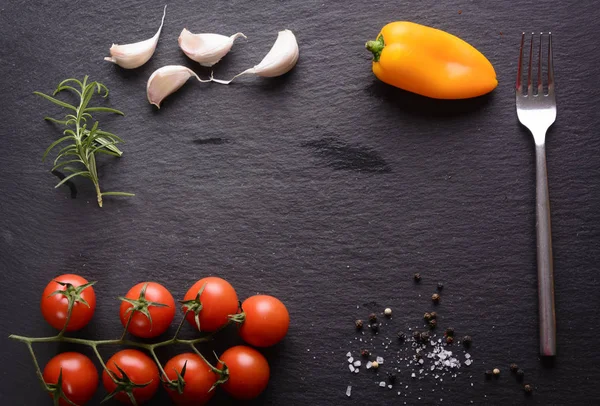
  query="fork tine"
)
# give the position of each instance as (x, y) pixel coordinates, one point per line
(540, 83)
(550, 66)
(529, 85)
(519, 85)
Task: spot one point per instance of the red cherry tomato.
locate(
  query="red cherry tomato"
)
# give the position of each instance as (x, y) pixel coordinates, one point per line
(266, 321)
(140, 325)
(198, 378)
(54, 308)
(248, 372)
(218, 299)
(139, 368)
(79, 376)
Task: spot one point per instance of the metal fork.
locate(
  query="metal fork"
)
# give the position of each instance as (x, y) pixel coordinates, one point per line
(536, 110)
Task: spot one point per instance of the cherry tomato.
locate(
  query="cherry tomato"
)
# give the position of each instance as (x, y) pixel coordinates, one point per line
(198, 377)
(79, 376)
(139, 368)
(248, 372)
(54, 308)
(218, 299)
(140, 325)
(266, 321)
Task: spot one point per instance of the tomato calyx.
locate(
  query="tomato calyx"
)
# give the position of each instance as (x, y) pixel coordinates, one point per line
(223, 372)
(73, 295)
(178, 384)
(124, 385)
(55, 390)
(194, 305)
(141, 305)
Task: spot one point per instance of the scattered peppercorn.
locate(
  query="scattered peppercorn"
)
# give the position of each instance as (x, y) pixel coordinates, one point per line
(427, 316)
(433, 315)
(440, 286)
(449, 340)
(365, 353)
(435, 297)
(417, 336)
(387, 312)
(417, 277)
(467, 341)
(372, 317)
(488, 374)
(391, 377)
(402, 337)
(514, 367)
(449, 332)
(375, 364)
(375, 327)
(520, 374)
(496, 372)
(432, 323)
(425, 336)
(528, 388)
(359, 324)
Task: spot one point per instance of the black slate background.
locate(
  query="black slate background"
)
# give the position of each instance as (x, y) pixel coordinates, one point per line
(324, 187)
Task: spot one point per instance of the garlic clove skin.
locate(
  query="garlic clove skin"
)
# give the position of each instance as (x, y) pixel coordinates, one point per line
(206, 49)
(167, 80)
(282, 57)
(131, 56)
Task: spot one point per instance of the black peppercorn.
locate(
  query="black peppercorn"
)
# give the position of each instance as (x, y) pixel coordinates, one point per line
(417, 277)
(433, 315)
(372, 317)
(432, 323)
(375, 327)
(467, 341)
(365, 353)
(425, 336)
(417, 336)
(520, 374)
(435, 297)
(449, 340)
(514, 367)
(402, 337)
(488, 374)
(528, 388)
(427, 316)
(391, 377)
(440, 286)
(358, 324)
(449, 332)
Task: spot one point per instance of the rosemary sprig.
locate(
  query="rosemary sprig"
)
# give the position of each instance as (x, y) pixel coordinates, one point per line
(79, 156)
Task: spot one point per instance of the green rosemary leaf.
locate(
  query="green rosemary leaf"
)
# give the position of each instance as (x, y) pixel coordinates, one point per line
(56, 101)
(55, 143)
(70, 80)
(64, 154)
(93, 151)
(65, 87)
(105, 143)
(117, 194)
(107, 152)
(53, 120)
(110, 135)
(92, 166)
(72, 161)
(81, 173)
(104, 110)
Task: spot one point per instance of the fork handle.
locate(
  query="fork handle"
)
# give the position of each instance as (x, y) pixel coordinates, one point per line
(544, 257)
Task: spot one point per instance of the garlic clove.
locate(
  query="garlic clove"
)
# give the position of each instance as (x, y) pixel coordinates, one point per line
(167, 80)
(206, 49)
(281, 58)
(131, 56)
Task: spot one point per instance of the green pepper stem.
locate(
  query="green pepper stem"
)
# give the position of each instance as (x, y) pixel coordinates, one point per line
(376, 47)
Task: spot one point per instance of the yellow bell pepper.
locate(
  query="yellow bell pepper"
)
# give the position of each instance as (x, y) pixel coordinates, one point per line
(430, 62)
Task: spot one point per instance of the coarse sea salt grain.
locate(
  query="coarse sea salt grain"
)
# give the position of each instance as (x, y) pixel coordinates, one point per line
(349, 354)
(382, 384)
(348, 391)
(369, 365)
(351, 368)
(356, 370)
(350, 360)
(379, 360)
(468, 362)
(357, 363)
(413, 375)
(467, 355)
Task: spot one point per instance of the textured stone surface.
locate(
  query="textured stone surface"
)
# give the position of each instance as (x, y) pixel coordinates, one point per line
(325, 188)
